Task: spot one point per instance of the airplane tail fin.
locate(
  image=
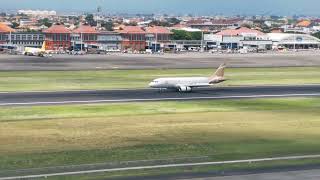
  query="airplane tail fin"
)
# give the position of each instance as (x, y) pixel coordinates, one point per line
(220, 70)
(43, 48)
(218, 76)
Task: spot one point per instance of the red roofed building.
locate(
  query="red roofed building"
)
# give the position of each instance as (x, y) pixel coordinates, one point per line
(57, 37)
(133, 37)
(240, 32)
(4, 32)
(304, 23)
(159, 33)
(87, 33)
(157, 36)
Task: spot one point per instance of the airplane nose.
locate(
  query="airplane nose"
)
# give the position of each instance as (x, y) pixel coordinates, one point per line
(151, 84)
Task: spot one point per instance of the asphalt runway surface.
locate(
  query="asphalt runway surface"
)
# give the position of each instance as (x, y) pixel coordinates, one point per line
(289, 175)
(167, 61)
(141, 95)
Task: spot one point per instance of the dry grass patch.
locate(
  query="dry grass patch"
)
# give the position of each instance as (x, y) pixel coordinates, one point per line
(190, 128)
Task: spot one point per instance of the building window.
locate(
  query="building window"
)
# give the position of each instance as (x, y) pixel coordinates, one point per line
(63, 37)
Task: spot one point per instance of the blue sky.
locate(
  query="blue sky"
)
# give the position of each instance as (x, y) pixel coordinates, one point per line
(282, 7)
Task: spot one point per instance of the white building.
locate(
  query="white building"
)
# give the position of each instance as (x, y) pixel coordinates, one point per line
(238, 38)
(37, 12)
(294, 41)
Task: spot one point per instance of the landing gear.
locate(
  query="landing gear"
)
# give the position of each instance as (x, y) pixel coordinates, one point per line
(161, 90)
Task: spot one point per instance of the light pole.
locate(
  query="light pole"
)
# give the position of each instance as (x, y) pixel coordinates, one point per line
(156, 44)
(10, 40)
(294, 42)
(202, 50)
(81, 42)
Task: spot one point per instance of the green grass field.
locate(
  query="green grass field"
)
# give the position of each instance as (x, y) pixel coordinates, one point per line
(119, 79)
(222, 130)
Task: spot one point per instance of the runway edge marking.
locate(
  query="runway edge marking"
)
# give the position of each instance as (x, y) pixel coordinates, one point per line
(158, 99)
(162, 166)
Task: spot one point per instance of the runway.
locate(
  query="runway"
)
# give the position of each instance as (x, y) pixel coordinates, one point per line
(167, 61)
(313, 174)
(140, 95)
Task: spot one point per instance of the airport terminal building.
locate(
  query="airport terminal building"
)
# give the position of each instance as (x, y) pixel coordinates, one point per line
(135, 38)
(5, 31)
(57, 37)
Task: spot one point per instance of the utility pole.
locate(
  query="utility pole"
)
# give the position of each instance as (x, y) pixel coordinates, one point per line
(81, 42)
(156, 44)
(294, 42)
(10, 40)
(202, 50)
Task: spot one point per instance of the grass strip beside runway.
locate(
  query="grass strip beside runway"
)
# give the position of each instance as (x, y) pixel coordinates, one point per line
(222, 130)
(129, 79)
(199, 171)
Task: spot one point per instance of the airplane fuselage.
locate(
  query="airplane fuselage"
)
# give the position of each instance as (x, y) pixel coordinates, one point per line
(176, 83)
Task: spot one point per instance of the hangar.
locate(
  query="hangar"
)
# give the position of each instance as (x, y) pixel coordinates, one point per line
(294, 41)
(238, 38)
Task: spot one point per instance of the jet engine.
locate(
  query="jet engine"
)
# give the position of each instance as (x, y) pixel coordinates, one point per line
(185, 89)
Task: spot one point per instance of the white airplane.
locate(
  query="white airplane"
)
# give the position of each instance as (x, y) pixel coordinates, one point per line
(29, 51)
(186, 84)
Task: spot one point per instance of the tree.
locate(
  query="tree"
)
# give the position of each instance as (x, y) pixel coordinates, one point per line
(317, 35)
(196, 35)
(184, 35)
(179, 35)
(22, 15)
(173, 21)
(15, 25)
(45, 22)
(246, 25)
(131, 24)
(90, 20)
(31, 30)
(3, 14)
(159, 23)
(108, 25)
